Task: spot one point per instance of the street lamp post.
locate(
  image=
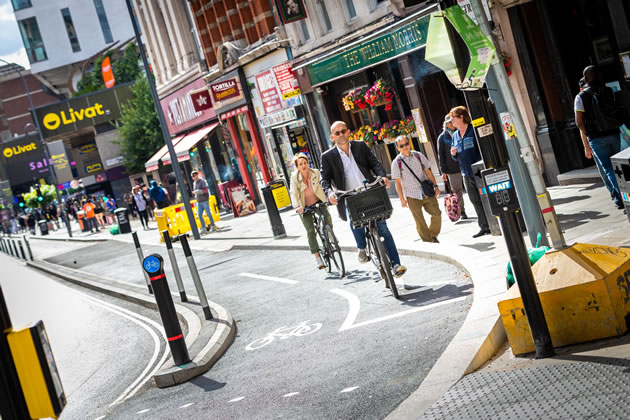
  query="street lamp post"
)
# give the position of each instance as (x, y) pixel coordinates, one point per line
(43, 142)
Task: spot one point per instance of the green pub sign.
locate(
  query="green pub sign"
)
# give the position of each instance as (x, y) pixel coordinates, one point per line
(401, 41)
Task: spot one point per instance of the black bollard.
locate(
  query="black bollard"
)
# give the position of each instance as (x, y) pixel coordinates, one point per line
(22, 254)
(154, 267)
(195, 276)
(28, 248)
(136, 242)
(274, 215)
(171, 257)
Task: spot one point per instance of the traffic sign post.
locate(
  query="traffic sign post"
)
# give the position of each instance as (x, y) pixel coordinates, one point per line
(195, 276)
(153, 265)
(136, 242)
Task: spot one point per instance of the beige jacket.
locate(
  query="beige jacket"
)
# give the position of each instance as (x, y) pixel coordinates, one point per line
(298, 187)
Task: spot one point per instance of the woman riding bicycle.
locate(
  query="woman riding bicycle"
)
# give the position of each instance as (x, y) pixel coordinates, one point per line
(307, 191)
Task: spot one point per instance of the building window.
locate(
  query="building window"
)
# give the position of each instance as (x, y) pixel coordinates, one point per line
(349, 10)
(376, 3)
(324, 19)
(102, 18)
(72, 34)
(21, 4)
(303, 29)
(32, 40)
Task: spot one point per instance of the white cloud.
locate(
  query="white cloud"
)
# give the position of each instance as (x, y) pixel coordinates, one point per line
(18, 57)
(6, 13)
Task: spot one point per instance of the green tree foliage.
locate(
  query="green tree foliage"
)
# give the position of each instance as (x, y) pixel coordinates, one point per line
(125, 67)
(140, 133)
(48, 192)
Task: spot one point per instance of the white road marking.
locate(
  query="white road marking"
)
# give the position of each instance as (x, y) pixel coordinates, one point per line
(236, 399)
(352, 388)
(143, 411)
(99, 418)
(186, 405)
(355, 304)
(141, 321)
(290, 394)
(261, 277)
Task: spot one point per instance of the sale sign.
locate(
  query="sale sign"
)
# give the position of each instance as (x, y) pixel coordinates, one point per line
(268, 92)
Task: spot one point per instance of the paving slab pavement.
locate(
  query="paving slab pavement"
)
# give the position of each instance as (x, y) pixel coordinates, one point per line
(586, 215)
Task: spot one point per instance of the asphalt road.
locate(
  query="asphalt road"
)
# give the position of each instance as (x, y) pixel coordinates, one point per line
(309, 345)
(105, 349)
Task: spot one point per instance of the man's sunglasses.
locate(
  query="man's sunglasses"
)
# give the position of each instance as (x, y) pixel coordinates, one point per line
(403, 145)
(344, 131)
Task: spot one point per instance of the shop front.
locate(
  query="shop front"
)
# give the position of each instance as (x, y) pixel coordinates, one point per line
(382, 87)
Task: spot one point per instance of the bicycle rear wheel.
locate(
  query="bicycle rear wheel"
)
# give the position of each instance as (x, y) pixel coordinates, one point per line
(335, 251)
(386, 265)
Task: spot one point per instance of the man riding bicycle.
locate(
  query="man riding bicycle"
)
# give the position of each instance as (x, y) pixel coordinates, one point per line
(345, 166)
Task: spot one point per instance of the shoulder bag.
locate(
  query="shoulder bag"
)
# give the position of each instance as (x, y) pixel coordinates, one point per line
(428, 188)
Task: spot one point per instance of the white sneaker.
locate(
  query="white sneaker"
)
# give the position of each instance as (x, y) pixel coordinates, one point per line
(399, 270)
(362, 257)
(320, 263)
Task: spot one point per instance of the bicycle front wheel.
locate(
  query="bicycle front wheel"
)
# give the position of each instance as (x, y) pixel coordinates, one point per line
(334, 251)
(386, 265)
(323, 250)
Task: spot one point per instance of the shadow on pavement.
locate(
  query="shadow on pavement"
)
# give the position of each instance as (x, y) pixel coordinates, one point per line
(207, 384)
(566, 200)
(356, 276)
(591, 187)
(427, 296)
(570, 221)
(481, 246)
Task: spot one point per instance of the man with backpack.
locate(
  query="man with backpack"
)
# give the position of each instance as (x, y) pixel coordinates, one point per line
(158, 195)
(598, 115)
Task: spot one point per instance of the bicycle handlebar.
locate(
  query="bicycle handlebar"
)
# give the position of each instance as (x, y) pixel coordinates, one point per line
(366, 185)
(311, 208)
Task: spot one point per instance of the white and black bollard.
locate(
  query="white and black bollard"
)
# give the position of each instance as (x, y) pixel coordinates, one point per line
(22, 254)
(2, 245)
(136, 242)
(14, 249)
(171, 257)
(154, 268)
(195, 276)
(28, 248)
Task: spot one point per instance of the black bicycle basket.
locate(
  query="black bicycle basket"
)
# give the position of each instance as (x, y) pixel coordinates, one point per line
(369, 205)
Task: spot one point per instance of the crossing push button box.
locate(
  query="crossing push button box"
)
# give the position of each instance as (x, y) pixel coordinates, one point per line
(500, 190)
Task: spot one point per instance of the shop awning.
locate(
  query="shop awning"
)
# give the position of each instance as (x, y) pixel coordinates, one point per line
(183, 147)
(153, 163)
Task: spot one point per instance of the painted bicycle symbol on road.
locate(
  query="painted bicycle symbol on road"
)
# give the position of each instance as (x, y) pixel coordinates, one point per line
(302, 329)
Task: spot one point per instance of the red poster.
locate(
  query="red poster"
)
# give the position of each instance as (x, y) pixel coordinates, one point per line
(287, 81)
(268, 92)
(224, 90)
(108, 74)
(201, 99)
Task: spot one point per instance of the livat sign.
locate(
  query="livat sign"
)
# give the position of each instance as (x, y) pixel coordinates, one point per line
(181, 110)
(16, 150)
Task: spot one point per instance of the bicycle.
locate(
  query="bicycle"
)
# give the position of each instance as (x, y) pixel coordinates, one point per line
(302, 329)
(367, 205)
(329, 249)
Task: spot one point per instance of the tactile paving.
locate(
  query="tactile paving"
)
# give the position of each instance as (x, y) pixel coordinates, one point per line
(589, 389)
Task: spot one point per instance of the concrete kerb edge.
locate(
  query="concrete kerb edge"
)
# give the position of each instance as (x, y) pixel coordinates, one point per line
(478, 350)
(219, 342)
(41, 238)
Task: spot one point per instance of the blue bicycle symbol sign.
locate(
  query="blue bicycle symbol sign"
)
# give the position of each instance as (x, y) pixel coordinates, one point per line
(151, 264)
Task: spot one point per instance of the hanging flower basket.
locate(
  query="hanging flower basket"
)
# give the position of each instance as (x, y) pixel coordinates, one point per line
(381, 93)
(354, 100)
(392, 129)
(367, 133)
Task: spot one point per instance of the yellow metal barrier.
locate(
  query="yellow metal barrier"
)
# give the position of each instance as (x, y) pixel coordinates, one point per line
(175, 220)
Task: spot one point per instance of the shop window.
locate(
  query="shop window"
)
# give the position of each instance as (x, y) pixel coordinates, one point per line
(324, 18)
(72, 33)
(102, 18)
(349, 10)
(32, 39)
(21, 4)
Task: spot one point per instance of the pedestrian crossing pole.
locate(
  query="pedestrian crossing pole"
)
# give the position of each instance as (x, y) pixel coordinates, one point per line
(136, 242)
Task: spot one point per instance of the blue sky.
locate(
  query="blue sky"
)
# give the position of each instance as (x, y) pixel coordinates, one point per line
(11, 47)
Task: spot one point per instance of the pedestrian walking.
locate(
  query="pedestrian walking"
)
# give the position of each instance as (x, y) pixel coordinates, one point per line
(140, 203)
(22, 222)
(344, 167)
(466, 150)
(30, 222)
(599, 118)
(449, 166)
(307, 191)
(158, 195)
(202, 195)
(409, 170)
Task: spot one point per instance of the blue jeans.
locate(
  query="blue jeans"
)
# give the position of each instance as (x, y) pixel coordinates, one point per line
(201, 207)
(603, 149)
(359, 237)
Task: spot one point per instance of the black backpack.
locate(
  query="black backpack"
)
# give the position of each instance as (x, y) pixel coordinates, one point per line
(606, 113)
